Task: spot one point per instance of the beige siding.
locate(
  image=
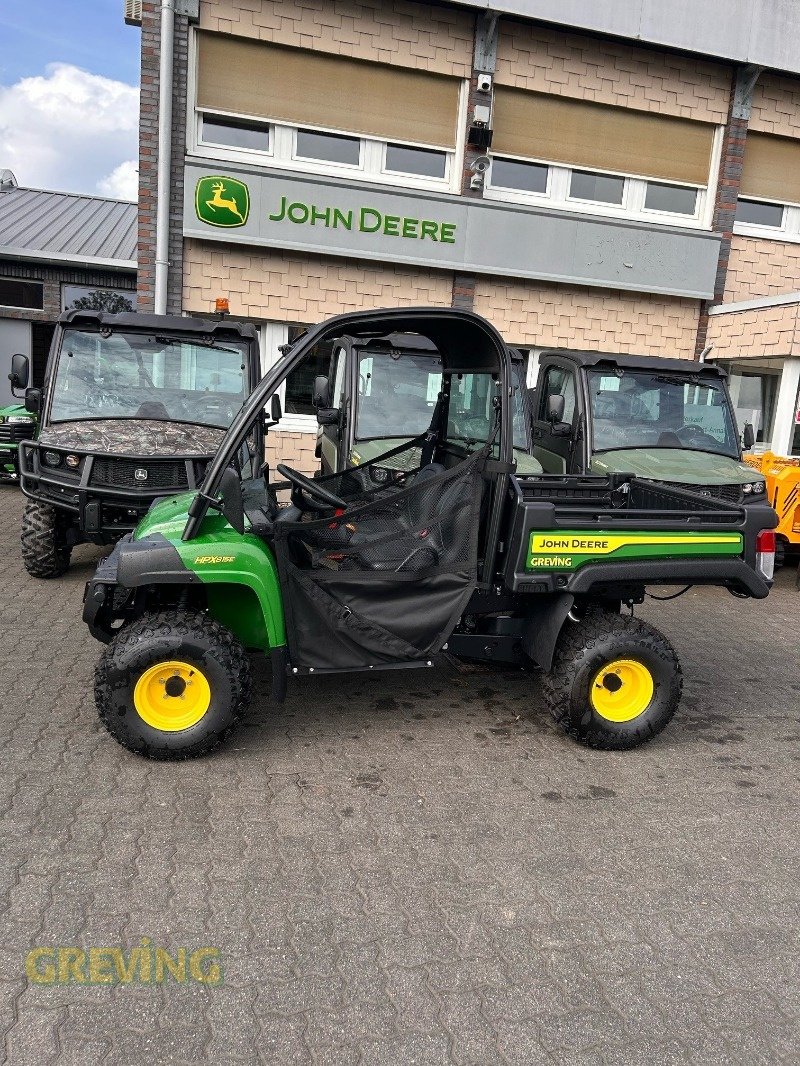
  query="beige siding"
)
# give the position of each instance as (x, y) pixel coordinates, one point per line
(546, 316)
(589, 68)
(284, 287)
(407, 34)
(761, 268)
(766, 332)
(294, 449)
(776, 106)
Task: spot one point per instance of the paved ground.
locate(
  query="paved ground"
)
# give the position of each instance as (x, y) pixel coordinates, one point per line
(413, 869)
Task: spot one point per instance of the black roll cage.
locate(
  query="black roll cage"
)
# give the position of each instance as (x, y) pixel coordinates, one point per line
(450, 330)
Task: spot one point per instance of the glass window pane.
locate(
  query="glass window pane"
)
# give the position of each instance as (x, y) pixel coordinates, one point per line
(758, 214)
(329, 147)
(587, 186)
(527, 177)
(89, 298)
(422, 161)
(235, 134)
(673, 198)
(300, 383)
(28, 294)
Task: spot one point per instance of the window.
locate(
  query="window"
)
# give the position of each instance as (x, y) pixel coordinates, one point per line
(559, 382)
(586, 185)
(471, 415)
(674, 199)
(300, 383)
(518, 181)
(396, 396)
(754, 390)
(423, 161)
(758, 213)
(29, 294)
(235, 133)
(87, 298)
(328, 147)
(512, 174)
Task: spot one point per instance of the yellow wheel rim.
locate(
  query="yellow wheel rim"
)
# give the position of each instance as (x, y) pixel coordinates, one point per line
(622, 690)
(171, 696)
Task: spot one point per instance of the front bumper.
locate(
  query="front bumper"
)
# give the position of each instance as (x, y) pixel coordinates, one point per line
(103, 513)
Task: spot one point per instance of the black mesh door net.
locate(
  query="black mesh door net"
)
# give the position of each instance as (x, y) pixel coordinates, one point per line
(386, 580)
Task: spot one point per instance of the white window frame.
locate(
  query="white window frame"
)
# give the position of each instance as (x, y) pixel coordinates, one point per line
(558, 196)
(788, 231)
(283, 143)
(271, 336)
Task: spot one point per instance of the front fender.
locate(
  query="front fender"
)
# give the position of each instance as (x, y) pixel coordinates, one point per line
(225, 564)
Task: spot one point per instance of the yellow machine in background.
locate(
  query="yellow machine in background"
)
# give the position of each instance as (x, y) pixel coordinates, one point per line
(783, 492)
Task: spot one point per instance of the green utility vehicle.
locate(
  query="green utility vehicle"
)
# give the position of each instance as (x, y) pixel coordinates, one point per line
(380, 393)
(456, 551)
(133, 408)
(16, 424)
(666, 420)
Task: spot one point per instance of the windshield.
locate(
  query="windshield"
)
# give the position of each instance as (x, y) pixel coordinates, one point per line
(396, 394)
(140, 375)
(644, 409)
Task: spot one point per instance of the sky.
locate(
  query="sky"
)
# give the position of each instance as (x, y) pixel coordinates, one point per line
(69, 96)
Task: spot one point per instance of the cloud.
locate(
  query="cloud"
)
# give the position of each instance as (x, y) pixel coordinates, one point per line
(71, 130)
(122, 183)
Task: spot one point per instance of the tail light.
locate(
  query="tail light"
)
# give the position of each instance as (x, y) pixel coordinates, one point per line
(765, 553)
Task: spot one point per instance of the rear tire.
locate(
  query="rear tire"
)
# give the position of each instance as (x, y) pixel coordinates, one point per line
(615, 683)
(780, 552)
(45, 551)
(172, 685)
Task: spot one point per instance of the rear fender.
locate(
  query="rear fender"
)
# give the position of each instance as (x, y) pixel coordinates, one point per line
(543, 624)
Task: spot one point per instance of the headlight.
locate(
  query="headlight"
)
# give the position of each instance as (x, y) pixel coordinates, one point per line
(18, 420)
(52, 458)
(73, 462)
(379, 474)
(754, 488)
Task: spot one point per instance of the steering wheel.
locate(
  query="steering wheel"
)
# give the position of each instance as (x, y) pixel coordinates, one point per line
(303, 486)
(692, 434)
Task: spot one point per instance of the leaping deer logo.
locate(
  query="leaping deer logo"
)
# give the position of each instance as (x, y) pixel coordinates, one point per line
(218, 200)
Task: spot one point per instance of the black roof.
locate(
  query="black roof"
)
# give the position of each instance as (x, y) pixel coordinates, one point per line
(636, 362)
(132, 320)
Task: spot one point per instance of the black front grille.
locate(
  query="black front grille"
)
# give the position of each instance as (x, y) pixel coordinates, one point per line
(731, 493)
(13, 434)
(121, 473)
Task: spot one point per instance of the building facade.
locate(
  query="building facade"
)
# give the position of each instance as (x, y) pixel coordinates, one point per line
(618, 180)
(58, 251)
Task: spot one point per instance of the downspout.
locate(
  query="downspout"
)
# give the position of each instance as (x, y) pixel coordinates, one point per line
(164, 154)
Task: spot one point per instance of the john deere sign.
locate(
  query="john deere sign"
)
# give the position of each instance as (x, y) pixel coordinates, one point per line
(222, 201)
(314, 214)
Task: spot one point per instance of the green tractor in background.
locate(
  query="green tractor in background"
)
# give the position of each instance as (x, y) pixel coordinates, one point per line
(16, 423)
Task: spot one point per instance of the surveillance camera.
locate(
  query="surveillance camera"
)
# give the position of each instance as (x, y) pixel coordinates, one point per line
(480, 165)
(484, 83)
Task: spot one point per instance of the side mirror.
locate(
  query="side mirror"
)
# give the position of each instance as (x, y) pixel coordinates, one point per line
(555, 408)
(321, 394)
(232, 501)
(33, 401)
(748, 436)
(276, 412)
(327, 416)
(20, 372)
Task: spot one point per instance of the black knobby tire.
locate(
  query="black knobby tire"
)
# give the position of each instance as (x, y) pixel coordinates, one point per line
(584, 649)
(780, 552)
(188, 636)
(45, 551)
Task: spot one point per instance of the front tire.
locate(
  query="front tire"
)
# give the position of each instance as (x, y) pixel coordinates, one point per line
(45, 551)
(172, 685)
(615, 683)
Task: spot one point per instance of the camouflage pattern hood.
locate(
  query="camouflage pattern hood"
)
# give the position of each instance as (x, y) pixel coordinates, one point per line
(135, 437)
